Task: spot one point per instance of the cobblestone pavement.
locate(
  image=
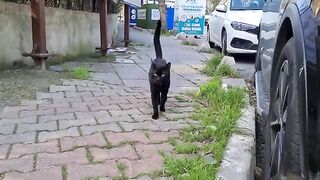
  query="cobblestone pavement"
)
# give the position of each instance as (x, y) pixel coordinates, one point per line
(85, 129)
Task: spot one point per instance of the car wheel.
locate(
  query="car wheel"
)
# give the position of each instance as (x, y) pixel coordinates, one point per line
(224, 43)
(287, 113)
(211, 44)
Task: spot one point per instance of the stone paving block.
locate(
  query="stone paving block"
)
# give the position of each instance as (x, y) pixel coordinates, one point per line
(29, 107)
(147, 111)
(107, 119)
(18, 150)
(69, 82)
(68, 143)
(25, 102)
(9, 112)
(57, 105)
(159, 137)
(37, 113)
(108, 168)
(181, 109)
(71, 132)
(114, 101)
(122, 112)
(134, 100)
(143, 117)
(46, 160)
(143, 166)
(147, 125)
(90, 103)
(48, 126)
(171, 125)
(84, 88)
(28, 137)
(3, 150)
(54, 117)
(79, 94)
(148, 150)
(104, 107)
(80, 108)
(175, 116)
(54, 173)
(87, 130)
(23, 164)
(66, 100)
(135, 136)
(122, 152)
(98, 114)
(43, 95)
(104, 93)
(54, 88)
(96, 99)
(7, 129)
(65, 124)
(135, 105)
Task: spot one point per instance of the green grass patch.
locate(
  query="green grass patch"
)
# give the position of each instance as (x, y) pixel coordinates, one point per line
(90, 157)
(218, 118)
(187, 43)
(212, 65)
(64, 172)
(80, 73)
(225, 70)
(186, 148)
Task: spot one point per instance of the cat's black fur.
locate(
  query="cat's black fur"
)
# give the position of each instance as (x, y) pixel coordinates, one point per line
(159, 76)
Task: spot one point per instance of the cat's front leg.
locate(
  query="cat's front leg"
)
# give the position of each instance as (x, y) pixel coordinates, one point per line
(164, 95)
(155, 96)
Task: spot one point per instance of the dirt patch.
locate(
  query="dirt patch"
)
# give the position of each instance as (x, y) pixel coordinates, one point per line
(18, 84)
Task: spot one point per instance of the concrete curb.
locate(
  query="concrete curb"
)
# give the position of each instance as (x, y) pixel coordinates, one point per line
(239, 156)
(142, 29)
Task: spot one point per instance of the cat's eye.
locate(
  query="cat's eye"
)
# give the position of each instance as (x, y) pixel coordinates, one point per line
(156, 75)
(162, 75)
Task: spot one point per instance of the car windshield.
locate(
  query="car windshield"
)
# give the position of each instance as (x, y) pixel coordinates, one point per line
(246, 4)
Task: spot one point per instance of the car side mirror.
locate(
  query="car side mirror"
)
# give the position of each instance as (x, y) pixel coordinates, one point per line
(221, 8)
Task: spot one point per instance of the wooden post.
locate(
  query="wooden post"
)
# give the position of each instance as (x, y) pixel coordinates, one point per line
(126, 25)
(103, 26)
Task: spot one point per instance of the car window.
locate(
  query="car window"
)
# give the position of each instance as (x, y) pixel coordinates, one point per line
(247, 4)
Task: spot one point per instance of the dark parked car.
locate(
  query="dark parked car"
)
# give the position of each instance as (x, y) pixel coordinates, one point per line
(287, 82)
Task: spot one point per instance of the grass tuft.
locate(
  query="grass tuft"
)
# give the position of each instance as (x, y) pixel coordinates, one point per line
(187, 43)
(80, 73)
(225, 70)
(186, 148)
(212, 65)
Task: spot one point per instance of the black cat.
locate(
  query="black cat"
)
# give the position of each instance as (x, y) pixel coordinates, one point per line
(159, 76)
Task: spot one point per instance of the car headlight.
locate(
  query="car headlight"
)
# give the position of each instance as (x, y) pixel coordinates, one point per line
(242, 26)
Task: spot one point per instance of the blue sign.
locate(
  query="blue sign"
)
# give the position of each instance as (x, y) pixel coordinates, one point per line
(170, 18)
(133, 15)
(191, 17)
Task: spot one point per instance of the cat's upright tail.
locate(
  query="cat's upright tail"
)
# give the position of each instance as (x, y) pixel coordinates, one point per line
(156, 40)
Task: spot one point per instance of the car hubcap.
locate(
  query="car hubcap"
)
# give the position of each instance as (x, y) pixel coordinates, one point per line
(279, 123)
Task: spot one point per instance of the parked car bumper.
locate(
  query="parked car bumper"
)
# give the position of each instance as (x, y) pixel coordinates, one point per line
(241, 42)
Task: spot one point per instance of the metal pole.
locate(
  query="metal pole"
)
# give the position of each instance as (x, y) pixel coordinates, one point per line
(103, 26)
(39, 52)
(126, 25)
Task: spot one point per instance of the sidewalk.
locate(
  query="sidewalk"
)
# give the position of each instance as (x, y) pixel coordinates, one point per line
(100, 127)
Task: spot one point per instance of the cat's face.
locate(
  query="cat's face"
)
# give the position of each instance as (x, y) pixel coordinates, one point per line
(161, 73)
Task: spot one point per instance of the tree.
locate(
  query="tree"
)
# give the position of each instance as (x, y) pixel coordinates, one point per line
(163, 14)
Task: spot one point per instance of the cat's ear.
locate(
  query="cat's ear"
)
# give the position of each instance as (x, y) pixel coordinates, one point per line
(169, 65)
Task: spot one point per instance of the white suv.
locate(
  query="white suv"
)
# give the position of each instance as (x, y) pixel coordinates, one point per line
(234, 26)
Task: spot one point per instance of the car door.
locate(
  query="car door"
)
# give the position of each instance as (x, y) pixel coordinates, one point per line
(219, 17)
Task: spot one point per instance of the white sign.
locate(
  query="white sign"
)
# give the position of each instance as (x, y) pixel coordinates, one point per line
(142, 14)
(155, 14)
(191, 16)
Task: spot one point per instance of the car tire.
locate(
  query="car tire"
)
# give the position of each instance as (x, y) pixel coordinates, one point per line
(224, 43)
(211, 44)
(288, 102)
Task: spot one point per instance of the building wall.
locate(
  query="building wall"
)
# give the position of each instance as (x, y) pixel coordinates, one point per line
(69, 33)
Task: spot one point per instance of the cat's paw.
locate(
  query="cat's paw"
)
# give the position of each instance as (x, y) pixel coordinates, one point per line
(155, 116)
(162, 109)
